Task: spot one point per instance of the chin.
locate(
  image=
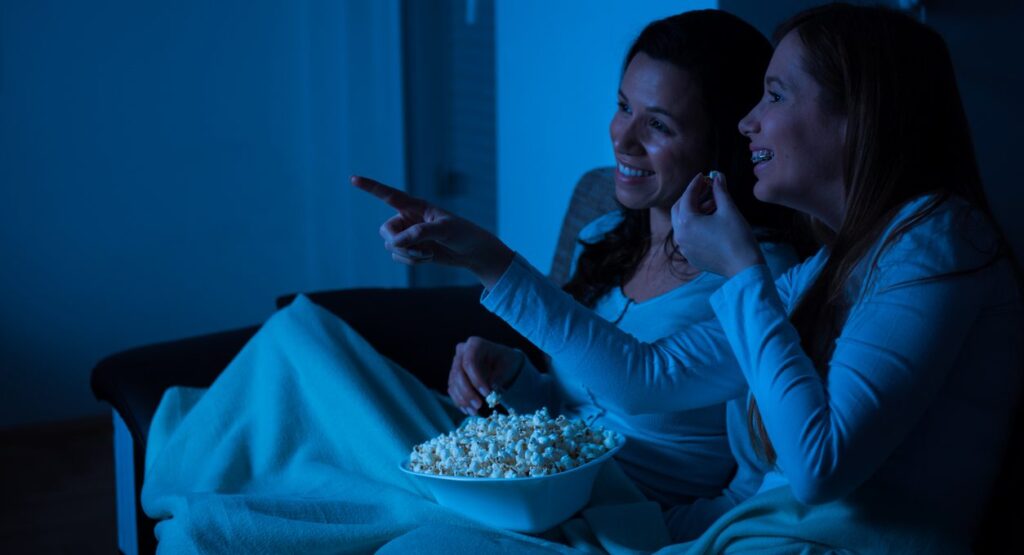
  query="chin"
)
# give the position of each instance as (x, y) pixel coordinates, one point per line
(763, 192)
(631, 201)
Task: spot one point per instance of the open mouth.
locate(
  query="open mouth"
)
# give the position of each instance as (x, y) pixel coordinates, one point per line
(630, 171)
(762, 155)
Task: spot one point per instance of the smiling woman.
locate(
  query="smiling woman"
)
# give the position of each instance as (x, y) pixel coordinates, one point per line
(337, 415)
(882, 373)
(796, 137)
(676, 117)
(659, 136)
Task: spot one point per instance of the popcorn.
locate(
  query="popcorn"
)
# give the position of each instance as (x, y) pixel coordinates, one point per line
(493, 399)
(512, 446)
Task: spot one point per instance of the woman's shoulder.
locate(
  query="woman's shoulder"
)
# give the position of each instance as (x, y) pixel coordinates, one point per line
(600, 226)
(940, 227)
(932, 236)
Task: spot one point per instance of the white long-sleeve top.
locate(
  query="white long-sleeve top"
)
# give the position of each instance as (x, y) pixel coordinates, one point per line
(659, 443)
(920, 388)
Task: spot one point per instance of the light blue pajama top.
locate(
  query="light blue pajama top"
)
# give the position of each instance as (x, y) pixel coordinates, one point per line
(921, 386)
(659, 442)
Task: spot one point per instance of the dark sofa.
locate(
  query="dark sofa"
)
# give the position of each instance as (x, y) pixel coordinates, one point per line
(133, 381)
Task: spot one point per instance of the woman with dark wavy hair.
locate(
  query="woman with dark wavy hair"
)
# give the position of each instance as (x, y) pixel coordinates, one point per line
(684, 62)
(297, 445)
(882, 373)
(686, 80)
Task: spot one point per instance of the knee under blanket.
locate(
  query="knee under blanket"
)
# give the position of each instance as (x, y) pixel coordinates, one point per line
(296, 447)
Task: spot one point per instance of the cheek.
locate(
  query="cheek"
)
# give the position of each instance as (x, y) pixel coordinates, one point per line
(664, 160)
(820, 156)
(683, 161)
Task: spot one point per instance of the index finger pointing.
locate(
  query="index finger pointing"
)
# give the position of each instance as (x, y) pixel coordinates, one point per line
(390, 195)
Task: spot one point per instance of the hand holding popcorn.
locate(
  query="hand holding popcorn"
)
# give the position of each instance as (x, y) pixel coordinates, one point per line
(478, 368)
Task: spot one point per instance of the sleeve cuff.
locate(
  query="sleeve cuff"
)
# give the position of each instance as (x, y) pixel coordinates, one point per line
(526, 393)
(729, 293)
(508, 284)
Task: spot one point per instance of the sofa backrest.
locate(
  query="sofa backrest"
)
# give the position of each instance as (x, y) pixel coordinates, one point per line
(593, 196)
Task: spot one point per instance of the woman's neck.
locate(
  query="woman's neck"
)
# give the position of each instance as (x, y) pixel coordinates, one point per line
(660, 224)
(659, 272)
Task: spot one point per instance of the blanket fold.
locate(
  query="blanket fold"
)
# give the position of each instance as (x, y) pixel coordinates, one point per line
(296, 448)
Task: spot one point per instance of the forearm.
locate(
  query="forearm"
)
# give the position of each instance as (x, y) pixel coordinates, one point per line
(691, 370)
(889, 362)
(531, 390)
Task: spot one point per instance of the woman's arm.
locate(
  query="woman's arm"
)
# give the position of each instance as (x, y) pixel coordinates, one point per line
(891, 358)
(688, 370)
(531, 390)
(423, 233)
(694, 368)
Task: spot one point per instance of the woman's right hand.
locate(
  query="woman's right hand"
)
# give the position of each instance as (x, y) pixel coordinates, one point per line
(480, 366)
(421, 232)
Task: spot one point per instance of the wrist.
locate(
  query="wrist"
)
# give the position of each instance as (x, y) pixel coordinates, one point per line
(493, 263)
(516, 371)
(743, 262)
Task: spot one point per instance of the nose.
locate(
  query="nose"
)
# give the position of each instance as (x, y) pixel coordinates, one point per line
(624, 135)
(750, 124)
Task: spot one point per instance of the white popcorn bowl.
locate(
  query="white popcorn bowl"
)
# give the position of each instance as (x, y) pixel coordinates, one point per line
(530, 505)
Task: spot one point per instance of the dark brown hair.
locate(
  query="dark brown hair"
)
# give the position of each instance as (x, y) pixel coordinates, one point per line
(727, 58)
(907, 136)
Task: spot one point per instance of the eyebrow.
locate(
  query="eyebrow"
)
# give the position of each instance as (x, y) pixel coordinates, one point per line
(778, 82)
(656, 109)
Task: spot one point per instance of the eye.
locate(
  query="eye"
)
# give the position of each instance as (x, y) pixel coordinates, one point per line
(623, 107)
(773, 97)
(658, 125)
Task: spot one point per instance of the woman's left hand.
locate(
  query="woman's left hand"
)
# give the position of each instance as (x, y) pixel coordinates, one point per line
(713, 236)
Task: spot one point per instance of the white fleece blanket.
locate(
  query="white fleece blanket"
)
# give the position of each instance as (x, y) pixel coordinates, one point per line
(296, 447)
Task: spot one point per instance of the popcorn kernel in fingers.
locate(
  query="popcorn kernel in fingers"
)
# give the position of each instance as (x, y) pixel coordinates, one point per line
(493, 399)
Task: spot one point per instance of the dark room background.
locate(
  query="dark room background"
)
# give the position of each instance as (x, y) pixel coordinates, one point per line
(168, 168)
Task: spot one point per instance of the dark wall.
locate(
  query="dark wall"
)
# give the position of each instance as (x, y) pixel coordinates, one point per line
(168, 168)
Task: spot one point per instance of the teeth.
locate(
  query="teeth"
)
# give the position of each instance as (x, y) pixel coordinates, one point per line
(633, 172)
(762, 155)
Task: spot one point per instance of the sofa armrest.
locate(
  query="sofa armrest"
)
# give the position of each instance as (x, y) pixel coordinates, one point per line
(419, 328)
(134, 381)
(416, 328)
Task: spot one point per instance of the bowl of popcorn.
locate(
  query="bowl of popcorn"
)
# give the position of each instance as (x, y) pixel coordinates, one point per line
(525, 473)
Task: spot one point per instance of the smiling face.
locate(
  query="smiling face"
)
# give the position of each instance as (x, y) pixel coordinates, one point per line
(796, 144)
(659, 134)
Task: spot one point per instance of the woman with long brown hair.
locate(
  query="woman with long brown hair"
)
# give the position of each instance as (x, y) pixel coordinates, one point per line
(883, 372)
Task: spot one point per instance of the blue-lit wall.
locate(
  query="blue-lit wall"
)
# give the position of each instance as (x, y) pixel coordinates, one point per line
(558, 67)
(168, 168)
